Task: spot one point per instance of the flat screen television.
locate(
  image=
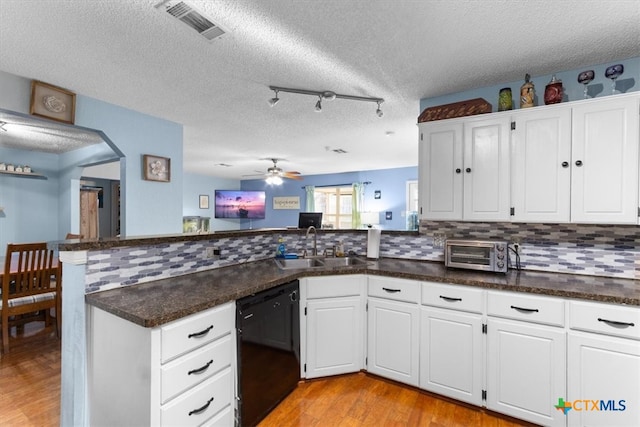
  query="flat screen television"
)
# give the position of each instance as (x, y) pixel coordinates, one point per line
(307, 219)
(240, 204)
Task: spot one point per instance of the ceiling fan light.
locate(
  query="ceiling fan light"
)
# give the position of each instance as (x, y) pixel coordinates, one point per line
(274, 180)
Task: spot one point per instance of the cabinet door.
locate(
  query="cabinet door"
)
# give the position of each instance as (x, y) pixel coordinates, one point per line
(486, 169)
(335, 336)
(441, 175)
(605, 162)
(393, 340)
(451, 354)
(526, 370)
(606, 369)
(541, 172)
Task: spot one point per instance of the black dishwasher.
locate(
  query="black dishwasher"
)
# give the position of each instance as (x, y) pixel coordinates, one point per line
(268, 350)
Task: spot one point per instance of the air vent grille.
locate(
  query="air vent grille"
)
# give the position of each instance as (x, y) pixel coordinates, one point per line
(193, 18)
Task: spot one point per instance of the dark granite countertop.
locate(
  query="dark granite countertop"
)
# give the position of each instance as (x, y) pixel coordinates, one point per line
(155, 303)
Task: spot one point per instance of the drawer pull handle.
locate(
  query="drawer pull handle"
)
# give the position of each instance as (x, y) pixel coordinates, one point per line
(391, 291)
(202, 408)
(201, 333)
(526, 310)
(201, 370)
(616, 323)
(450, 299)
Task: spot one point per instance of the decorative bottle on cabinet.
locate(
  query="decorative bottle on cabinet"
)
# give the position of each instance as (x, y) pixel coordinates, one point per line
(553, 91)
(527, 93)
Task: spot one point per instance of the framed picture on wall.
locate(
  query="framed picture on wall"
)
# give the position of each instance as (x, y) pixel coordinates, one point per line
(52, 102)
(204, 201)
(156, 168)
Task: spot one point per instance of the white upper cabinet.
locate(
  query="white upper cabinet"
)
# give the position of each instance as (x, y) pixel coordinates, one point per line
(486, 170)
(574, 162)
(440, 161)
(464, 170)
(604, 175)
(541, 165)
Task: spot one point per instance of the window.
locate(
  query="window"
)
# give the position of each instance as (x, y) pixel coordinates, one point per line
(335, 205)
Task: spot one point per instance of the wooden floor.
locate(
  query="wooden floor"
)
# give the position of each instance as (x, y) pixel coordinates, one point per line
(365, 400)
(30, 378)
(30, 395)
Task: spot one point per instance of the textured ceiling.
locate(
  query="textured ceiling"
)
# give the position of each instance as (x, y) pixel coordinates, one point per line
(128, 53)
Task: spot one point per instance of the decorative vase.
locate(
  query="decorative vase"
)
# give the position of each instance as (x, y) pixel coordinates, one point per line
(553, 92)
(505, 102)
(527, 93)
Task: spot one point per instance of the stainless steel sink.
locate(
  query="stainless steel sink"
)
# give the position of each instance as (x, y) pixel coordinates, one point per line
(290, 264)
(303, 263)
(343, 261)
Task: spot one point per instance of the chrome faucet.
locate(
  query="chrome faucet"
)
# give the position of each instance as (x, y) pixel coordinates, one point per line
(315, 240)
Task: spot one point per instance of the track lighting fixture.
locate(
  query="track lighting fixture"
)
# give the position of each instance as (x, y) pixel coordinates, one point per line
(326, 95)
(274, 101)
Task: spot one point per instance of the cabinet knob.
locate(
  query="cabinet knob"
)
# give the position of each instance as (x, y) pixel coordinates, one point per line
(565, 164)
(458, 170)
(467, 170)
(578, 163)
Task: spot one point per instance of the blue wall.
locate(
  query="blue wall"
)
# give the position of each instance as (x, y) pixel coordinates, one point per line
(390, 182)
(47, 210)
(573, 91)
(196, 185)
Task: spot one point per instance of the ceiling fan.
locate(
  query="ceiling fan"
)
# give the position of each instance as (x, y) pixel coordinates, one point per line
(275, 174)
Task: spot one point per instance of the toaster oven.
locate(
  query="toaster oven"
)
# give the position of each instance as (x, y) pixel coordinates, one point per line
(486, 255)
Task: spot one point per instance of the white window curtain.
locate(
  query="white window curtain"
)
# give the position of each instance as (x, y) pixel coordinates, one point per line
(357, 200)
(310, 205)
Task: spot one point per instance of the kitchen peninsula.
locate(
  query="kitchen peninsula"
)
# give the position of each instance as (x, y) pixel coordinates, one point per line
(151, 282)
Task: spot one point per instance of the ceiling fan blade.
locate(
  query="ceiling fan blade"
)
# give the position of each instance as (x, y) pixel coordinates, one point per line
(292, 172)
(296, 177)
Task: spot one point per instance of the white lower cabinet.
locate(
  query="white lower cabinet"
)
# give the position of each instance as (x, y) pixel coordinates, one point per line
(332, 316)
(451, 342)
(178, 374)
(526, 358)
(393, 322)
(604, 365)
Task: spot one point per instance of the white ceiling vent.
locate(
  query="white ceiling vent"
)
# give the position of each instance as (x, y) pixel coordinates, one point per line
(193, 18)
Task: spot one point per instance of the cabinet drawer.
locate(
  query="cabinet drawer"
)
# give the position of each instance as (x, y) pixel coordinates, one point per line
(199, 404)
(462, 298)
(334, 286)
(195, 367)
(395, 289)
(530, 308)
(607, 319)
(184, 335)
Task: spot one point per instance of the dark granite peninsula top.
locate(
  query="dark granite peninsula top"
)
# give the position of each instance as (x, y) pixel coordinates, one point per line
(155, 303)
(119, 242)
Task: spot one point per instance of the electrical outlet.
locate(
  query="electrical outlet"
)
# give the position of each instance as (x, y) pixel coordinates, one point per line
(212, 252)
(438, 240)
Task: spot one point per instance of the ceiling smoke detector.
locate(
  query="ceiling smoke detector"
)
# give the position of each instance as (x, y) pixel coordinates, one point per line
(191, 17)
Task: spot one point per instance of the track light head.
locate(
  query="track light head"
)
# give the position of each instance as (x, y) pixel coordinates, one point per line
(2, 124)
(379, 111)
(319, 105)
(274, 101)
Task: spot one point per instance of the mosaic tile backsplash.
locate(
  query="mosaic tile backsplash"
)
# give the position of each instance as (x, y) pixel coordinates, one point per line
(598, 250)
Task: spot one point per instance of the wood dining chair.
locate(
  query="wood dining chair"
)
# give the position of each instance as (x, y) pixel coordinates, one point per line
(31, 283)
